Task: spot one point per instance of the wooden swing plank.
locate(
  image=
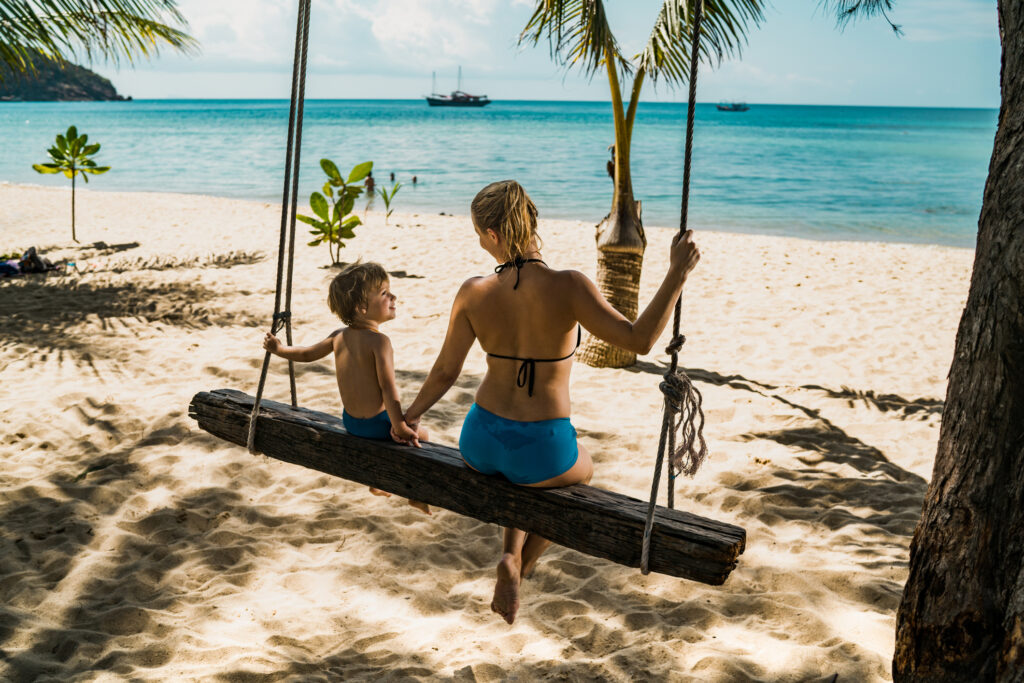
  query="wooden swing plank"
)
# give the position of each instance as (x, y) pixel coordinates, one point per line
(587, 519)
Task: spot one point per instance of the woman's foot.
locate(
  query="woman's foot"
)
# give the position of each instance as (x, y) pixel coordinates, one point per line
(506, 590)
(422, 507)
(378, 492)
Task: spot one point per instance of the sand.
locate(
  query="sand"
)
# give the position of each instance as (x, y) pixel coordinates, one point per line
(135, 546)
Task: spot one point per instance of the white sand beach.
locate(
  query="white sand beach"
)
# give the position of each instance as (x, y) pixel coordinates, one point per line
(134, 546)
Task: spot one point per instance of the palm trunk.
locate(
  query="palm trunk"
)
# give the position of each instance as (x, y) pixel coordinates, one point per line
(620, 236)
(962, 613)
(73, 237)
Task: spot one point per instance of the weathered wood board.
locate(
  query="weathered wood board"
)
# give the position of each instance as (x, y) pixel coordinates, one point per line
(584, 518)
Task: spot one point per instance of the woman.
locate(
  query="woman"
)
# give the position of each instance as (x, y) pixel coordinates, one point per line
(527, 317)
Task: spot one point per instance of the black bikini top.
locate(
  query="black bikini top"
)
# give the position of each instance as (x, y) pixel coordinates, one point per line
(528, 368)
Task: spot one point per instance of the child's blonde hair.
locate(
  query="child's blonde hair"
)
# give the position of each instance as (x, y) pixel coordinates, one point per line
(352, 288)
(505, 208)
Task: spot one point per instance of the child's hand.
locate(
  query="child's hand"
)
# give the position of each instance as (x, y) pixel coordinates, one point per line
(403, 433)
(271, 343)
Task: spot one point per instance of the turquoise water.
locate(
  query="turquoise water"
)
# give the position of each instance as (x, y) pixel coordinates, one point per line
(863, 173)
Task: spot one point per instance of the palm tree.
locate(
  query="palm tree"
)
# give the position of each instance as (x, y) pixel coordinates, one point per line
(579, 35)
(59, 30)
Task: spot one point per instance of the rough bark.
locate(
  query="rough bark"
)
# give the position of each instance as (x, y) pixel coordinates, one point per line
(962, 613)
(620, 257)
(584, 518)
(618, 279)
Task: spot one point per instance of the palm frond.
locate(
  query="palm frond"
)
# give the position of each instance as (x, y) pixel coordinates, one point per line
(65, 30)
(848, 10)
(577, 31)
(724, 29)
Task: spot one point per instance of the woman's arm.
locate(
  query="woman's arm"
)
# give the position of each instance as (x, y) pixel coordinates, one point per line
(448, 366)
(301, 354)
(604, 322)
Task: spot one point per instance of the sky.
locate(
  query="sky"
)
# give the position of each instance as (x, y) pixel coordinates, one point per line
(948, 56)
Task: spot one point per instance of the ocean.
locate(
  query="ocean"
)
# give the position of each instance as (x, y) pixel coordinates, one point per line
(821, 172)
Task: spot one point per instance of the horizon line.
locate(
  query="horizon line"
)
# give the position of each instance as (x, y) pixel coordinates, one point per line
(421, 98)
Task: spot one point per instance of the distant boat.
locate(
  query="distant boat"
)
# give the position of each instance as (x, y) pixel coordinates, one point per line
(732, 106)
(457, 98)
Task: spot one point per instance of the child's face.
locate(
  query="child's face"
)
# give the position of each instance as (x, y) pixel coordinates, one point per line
(381, 306)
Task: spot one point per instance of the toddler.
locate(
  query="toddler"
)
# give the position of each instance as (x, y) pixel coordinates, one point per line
(363, 358)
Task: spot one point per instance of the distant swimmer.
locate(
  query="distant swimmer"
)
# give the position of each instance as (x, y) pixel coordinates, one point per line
(370, 183)
(414, 180)
(392, 176)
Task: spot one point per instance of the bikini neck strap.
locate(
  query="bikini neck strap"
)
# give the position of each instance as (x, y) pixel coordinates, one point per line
(517, 263)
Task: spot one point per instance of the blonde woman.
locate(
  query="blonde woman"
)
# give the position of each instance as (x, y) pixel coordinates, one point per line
(528, 317)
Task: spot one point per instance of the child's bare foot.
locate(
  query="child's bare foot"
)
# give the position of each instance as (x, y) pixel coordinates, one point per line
(378, 492)
(506, 590)
(422, 507)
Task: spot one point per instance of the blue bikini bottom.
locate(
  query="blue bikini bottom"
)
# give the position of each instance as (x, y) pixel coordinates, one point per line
(525, 452)
(376, 427)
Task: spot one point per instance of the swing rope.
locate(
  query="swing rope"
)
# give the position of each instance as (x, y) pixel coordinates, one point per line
(289, 201)
(682, 422)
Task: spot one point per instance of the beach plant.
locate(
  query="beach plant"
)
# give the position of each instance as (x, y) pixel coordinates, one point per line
(72, 156)
(333, 220)
(64, 30)
(580, 35)
(388, 197)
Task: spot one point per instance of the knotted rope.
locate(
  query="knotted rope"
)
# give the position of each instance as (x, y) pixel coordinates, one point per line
(682, 422)
(289, 201)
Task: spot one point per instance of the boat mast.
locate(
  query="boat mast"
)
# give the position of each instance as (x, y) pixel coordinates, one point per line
(433, 82)
(460, 78)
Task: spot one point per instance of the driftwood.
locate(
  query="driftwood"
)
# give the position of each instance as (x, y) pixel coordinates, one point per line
(587, 519)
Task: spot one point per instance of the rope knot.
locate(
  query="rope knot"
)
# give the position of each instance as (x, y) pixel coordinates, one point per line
(280, 320)
(684, 420)
(676, 344)
(674, 389)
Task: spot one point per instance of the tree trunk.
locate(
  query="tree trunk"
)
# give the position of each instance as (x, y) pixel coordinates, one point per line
(73, 237)
(962, 613)
(620, 236)
(620, 257)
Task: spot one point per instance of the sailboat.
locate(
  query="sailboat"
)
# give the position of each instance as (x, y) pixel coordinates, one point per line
(457, 98)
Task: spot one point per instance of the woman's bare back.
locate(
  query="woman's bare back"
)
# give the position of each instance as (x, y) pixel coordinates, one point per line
(534, 320)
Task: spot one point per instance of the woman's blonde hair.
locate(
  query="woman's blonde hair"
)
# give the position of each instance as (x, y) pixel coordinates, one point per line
(352, 288)
(505, 208)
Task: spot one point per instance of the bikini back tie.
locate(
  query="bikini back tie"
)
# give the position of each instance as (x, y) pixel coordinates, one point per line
(528, 367)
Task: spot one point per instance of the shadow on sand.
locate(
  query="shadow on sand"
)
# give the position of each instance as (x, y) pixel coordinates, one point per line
(43, 313)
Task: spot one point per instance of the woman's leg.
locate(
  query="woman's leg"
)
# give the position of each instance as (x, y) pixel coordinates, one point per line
(506, 590)
(580, 473)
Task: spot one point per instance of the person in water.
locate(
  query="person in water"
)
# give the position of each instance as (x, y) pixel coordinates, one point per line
(528, 317)
(360, 295)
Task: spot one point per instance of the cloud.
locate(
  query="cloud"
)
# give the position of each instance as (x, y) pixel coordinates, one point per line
(439, 32)
(382, 35)
(241, 30)
(940, 20)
